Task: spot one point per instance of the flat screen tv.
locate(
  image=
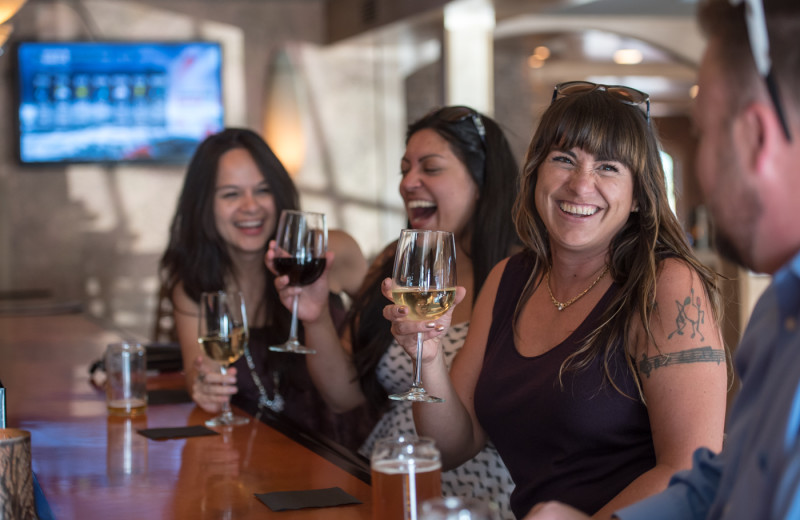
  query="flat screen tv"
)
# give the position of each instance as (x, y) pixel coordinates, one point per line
(85, 102)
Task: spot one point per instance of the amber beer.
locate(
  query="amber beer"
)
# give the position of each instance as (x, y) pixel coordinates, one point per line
(405, 472)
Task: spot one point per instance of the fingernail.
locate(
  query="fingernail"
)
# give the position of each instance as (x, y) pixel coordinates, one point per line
(431, 325)
(402, 310)
(439, 328)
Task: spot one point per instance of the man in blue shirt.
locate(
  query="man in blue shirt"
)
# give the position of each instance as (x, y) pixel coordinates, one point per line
(747, 115)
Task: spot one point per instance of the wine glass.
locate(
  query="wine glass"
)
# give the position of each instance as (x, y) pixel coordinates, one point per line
(424, 280)
(300, 254)
(223, 334)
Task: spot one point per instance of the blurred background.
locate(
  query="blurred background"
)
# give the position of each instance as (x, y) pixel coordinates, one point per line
(331, 84)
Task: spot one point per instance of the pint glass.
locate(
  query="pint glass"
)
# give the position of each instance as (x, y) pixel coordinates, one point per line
(406, 471)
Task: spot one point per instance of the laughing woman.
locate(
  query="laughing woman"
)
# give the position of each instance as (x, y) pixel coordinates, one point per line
(458, 175)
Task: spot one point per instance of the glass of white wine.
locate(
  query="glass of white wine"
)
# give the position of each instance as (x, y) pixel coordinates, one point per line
(223, 334)
(424, 280)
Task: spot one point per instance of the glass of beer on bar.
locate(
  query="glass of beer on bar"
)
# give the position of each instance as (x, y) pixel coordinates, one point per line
(406, 471)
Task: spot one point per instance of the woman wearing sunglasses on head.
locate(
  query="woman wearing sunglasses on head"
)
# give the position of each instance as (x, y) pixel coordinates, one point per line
(593, 360)
(457, 174)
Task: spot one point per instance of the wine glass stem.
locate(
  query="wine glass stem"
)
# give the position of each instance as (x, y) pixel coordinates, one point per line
(226, 414)
(418, 364)
(293, 329)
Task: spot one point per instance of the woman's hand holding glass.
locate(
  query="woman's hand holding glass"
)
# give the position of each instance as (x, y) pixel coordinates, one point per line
(405, 330)
(211, 389)
(314, 301)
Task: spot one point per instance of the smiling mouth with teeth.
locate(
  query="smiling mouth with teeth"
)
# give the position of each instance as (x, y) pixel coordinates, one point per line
(250, 224)
(578, 211)
(420, 209)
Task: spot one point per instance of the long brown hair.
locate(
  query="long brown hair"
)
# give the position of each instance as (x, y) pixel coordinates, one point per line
(603, 126)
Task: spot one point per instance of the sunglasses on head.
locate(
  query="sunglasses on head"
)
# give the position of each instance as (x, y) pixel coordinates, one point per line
(759, 46)
(458, 113)
(623, 94)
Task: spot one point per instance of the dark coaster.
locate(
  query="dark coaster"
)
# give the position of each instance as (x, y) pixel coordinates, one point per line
(159, 434)
(286, 500)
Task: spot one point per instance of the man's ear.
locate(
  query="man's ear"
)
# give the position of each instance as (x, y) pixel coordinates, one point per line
(760, 137)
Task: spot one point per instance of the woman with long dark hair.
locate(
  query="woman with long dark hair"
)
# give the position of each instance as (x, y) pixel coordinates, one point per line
(458, 175)
(234, 191)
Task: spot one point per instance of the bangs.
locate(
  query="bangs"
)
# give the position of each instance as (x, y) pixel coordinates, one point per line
(595, 123)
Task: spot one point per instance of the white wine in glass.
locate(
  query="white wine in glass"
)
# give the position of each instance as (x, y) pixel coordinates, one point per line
(300, 253)
(424, 280)
(223, 334)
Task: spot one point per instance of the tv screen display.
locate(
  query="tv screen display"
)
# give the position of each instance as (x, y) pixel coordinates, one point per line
(85, 102)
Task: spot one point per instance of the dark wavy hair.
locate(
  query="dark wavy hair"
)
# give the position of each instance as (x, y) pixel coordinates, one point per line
(479, 143)
(196, 254)
(605, 127)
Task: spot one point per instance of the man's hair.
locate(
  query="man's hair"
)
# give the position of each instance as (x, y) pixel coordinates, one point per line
(725, 23)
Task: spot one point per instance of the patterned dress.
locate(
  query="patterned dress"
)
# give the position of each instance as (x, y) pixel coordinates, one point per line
(485, 476)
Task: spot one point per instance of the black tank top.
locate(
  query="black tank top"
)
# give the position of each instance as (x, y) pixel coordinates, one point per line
(581, 443)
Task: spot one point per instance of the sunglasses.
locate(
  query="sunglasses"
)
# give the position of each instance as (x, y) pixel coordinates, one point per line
(759, 45)
(457, 114)
(623, 94)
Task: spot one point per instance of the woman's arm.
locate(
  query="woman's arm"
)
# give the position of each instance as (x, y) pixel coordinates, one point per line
(331, 368)
(348, 270)
(684, 380)
(453, 423)
(208, 388)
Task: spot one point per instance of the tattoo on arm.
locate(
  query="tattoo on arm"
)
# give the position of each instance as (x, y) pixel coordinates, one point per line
(690, 313)
(693, 355)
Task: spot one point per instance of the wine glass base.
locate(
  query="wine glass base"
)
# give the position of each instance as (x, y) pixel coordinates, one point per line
(234, 420)
(293, 347)
(417, 395)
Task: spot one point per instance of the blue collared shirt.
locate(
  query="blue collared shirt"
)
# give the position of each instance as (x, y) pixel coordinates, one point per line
(757, 475)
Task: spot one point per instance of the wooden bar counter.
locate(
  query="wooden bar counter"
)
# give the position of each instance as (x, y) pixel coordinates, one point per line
(92, 466)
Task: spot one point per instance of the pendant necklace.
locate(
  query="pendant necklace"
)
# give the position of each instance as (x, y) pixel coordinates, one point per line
(563, 305)
(275, 404)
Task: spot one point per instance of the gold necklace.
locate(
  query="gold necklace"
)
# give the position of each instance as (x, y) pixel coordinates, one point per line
(563, 305)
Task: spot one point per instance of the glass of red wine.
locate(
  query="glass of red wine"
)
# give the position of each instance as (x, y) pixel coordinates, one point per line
(299, 253)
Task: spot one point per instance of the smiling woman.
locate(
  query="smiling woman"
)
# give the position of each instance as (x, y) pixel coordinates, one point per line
(593, 360)
(227, 213)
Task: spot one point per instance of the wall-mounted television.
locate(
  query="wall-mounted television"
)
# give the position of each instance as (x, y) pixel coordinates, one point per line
(86, 102)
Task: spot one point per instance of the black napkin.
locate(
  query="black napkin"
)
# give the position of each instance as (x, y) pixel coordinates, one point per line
(284, 500)
(158, 434)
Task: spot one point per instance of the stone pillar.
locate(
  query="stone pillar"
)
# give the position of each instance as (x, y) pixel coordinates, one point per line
(469, 27)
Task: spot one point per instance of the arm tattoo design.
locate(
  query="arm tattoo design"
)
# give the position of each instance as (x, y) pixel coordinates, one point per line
(693, 355)
(691, 313)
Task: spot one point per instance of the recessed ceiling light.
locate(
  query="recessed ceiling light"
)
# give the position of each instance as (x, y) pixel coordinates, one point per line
(541, 52)
(627, 56)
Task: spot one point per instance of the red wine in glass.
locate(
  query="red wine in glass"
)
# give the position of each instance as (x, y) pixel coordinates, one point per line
(301, 271)
(299, 253)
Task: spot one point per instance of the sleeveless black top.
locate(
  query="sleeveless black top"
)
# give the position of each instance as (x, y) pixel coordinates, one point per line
(580, 443)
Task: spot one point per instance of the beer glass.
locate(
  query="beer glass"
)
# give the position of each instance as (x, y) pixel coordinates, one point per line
(406, 471)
